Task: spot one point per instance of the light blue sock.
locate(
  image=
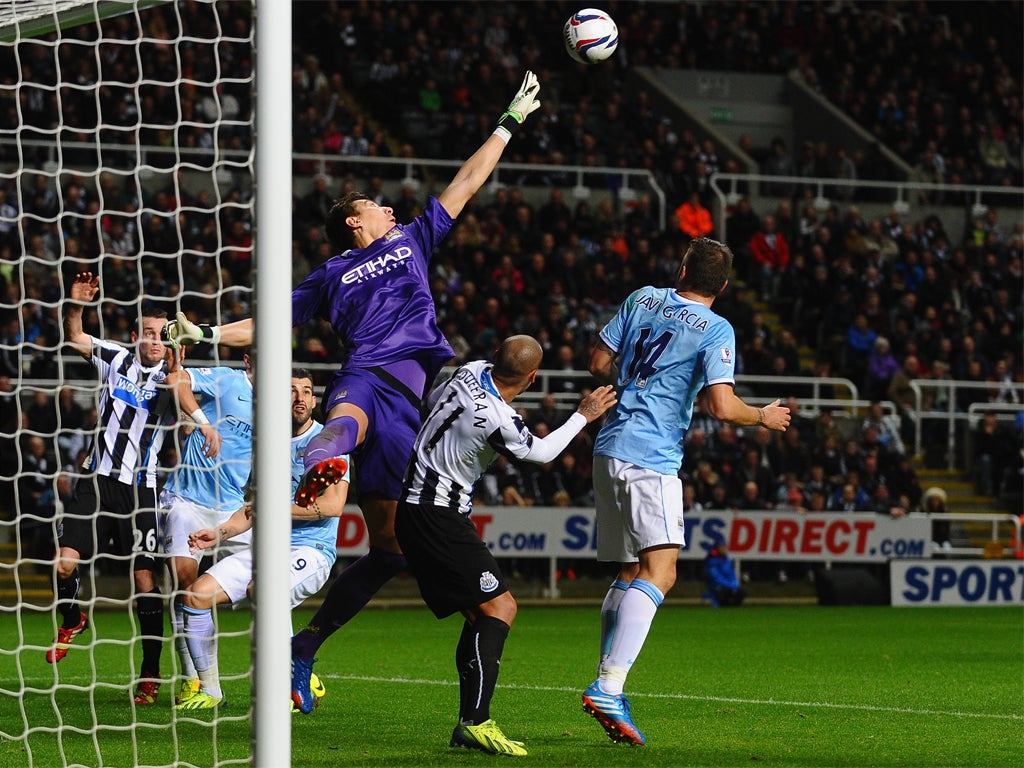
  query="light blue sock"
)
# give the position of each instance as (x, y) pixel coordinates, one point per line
(636, 612)
(610, 616)
(201, 637)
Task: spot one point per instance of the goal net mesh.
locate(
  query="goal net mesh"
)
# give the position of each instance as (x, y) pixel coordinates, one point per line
(125, 151)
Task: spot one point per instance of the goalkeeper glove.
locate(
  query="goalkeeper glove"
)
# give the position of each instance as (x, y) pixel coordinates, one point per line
(524, 102)
(183, 332)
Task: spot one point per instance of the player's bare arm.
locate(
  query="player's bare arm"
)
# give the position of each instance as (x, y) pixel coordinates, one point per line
(207, 538)
(237, 334)
(476, 170)
(725, 405)
(181, 383)
(330, 503)
(83, 290)
(602, 363)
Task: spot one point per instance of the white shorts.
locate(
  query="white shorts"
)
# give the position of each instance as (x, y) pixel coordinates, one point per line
(310, 569)
(180, 517)
(637, 509)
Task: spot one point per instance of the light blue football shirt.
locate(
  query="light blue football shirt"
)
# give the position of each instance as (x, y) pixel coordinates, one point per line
(669, 348)
(225, 396)
(310, 533)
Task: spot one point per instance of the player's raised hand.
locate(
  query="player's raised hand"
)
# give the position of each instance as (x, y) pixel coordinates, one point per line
(597, 402)
(525, 101)
(183, 332)
(85, 287)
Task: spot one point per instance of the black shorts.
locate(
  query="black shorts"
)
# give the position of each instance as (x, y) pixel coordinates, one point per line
(108, 516)
(452, 565)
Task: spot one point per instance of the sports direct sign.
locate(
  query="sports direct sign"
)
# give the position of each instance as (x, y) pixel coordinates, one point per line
(572, 532)
(957, 582)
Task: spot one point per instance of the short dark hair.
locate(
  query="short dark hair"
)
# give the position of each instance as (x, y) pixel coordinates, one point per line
(338, 232)
(302, 373)
(708, 266)
(152, 311)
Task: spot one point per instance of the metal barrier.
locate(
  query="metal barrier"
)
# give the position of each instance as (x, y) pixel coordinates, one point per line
(727, 186)
(995, 520)
(951, 415)
(547, 378)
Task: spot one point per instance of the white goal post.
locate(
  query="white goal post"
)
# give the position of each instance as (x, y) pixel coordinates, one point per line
(149, 142)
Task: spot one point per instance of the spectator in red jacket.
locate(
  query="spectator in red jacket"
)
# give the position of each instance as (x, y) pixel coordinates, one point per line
(771, 255)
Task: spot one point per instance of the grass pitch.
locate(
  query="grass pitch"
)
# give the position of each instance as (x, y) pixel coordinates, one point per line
(764, 685)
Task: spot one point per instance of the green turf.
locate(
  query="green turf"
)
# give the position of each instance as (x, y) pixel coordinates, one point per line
(759, 685)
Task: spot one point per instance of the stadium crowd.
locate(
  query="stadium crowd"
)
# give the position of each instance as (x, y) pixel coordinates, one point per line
(882, 302)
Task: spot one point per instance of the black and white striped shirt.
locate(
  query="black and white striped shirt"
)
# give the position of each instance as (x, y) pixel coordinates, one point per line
(468, 426)
(133, 410)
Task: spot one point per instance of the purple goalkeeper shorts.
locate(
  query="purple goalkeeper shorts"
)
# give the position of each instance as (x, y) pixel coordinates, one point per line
(393, 415)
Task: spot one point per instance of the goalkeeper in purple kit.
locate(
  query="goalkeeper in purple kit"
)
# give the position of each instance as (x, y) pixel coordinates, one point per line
(376, 294)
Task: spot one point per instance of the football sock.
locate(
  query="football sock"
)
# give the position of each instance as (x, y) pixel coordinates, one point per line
(348, 594)
(188, 669)
(202, 645)
(337, 438)
(67, 599)
(636, 612)
(478, 660)
(149, 607)
(610, 615)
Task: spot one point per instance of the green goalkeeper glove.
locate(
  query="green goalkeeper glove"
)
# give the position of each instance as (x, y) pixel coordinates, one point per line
(182, 332)
(524, 102)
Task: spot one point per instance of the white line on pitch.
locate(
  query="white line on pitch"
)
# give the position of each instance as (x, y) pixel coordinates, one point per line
(635, 695)
(691, 697)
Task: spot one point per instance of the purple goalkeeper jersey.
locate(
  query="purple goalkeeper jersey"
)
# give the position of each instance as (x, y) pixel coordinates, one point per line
(378, 298)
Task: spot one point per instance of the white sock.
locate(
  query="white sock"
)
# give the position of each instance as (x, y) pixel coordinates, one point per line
(635, 614)
(610, 616)
(202, 645)
(188, 669)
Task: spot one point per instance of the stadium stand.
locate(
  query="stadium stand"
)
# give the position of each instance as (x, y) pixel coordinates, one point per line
(935, 85)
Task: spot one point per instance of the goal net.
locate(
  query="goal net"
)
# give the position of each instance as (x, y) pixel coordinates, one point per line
(126, 138)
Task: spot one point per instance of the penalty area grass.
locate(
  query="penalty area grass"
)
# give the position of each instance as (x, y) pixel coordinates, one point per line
(771, 685)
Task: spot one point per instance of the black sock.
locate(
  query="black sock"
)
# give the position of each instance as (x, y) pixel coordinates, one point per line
(477, 659)
(67, 599)
(348, 594)
(149, 606)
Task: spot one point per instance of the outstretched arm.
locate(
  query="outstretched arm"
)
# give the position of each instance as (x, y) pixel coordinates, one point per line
(83, 289)
(239, 522)
(237, 334)
(331, 504)
(726, 405)
(475, 171)
(183, 332)
(543, 450)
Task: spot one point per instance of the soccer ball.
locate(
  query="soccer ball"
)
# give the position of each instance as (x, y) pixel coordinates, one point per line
(590, 36)
(316, 685)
